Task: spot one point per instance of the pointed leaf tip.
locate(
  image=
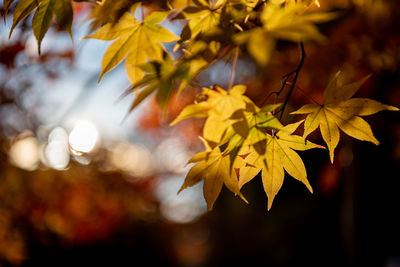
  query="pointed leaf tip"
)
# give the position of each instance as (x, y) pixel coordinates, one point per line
(309, 187)
(269, 204)
(319, 146)
(331, 156)
(243, 198)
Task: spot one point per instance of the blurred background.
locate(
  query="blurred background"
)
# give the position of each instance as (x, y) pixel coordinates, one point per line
(79, 185)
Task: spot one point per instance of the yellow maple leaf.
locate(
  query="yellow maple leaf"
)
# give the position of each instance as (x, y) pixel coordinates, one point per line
(280, 156)
(134, 40)
(204, 18)
(214, 168)
(218, 108)
(219, 102)
(340, 111)
(290, 22)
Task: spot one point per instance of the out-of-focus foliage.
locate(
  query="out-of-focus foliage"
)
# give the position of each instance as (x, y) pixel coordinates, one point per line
(44, 11)
(291, 22)
(248, 136)
(78, 206)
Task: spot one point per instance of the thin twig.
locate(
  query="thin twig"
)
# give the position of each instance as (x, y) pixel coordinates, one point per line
(234, 67)
(277, 93)
(307, 95)
(293, 84)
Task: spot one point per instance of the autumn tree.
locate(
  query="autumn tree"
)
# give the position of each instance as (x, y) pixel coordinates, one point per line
(243, 136)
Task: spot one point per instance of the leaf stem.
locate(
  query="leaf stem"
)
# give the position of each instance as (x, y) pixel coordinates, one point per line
(234, 67)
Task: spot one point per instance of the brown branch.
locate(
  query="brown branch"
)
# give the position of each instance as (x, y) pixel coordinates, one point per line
(277, 93)
(293, 83)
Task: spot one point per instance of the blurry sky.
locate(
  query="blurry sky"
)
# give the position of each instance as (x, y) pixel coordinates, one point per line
(76, 95)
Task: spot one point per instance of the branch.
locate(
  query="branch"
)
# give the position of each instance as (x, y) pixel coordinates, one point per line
(293, 83)
(234, 67)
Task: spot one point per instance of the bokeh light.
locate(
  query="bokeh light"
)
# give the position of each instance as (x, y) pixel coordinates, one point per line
(24, 153)
(83, 137)
(172, 155)
(184, 207)
(134, 159)
(56, 153)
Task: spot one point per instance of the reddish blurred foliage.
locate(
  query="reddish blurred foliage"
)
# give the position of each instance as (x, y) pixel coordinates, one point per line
(68, 55)
(81, 8)
(155, 121)
(9, 52)
(78, 206)
(190, 245)
(150, 120)
(328, 179)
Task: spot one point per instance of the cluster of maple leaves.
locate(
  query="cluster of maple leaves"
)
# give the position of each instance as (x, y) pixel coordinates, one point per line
(241, 139)
(253, 139)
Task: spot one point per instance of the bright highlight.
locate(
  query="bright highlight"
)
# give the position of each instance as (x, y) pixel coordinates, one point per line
(83, 137)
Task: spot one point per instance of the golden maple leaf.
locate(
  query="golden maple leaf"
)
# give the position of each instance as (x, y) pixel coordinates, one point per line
(214, 168)
(289, 22)
(279, 156)
(135, 41)
(340, 111)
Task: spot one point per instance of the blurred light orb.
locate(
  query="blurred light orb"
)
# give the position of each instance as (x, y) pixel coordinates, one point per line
(185, 207)
(56, 153)
(25, 153)
(134, 159)
(172, 156)
(83, 137)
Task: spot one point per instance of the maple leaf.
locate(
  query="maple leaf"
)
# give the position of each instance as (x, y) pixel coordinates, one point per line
(279, 156)
(218, 108)
(288, 22)
(259, 44)
(232, 118)
(198, 55)
(250, 127)
(235, 120)
(225, 103)
(340, 111)
(291, 22)
(45, 10)
(160, 77)
(136, 41)
(214, 168)
(164, 76)
(230, 111)
(203, 18)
